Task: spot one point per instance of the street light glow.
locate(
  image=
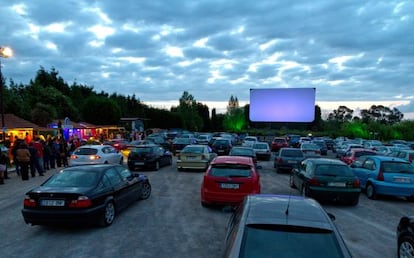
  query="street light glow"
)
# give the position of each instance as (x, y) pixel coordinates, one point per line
(6, 52)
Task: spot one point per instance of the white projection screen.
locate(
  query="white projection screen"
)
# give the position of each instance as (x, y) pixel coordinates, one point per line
(282, 105)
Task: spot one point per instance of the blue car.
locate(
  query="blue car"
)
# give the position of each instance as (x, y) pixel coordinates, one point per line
(383, 175)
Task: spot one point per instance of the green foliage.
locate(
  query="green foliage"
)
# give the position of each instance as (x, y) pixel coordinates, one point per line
(234, 119)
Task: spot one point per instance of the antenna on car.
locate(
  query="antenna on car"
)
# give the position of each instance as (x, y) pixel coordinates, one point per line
(287, 207)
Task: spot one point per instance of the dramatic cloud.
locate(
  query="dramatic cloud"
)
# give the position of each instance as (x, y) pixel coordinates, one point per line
(357, 52)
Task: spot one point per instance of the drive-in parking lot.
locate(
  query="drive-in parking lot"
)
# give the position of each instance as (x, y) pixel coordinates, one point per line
(172, 223)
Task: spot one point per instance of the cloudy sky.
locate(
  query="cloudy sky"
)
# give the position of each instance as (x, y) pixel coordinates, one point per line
(354, 52)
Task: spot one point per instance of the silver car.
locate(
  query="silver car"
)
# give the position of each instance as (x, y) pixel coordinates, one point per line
(95, 154)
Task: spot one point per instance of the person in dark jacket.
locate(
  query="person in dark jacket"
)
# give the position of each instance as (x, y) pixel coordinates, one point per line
(3, 167)
(23, 157)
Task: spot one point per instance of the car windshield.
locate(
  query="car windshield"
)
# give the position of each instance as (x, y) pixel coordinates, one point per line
(231, 170)
(397, 167)
(193, 149)
(288, 241)
(86, 151)
(73, 179)
(333, 170)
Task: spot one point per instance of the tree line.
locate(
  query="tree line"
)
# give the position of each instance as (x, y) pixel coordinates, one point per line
(48, 97)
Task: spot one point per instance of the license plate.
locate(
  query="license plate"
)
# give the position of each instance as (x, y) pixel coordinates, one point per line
(229, 186)
(291, 161)
(401, 180)
(220, 150)
(139, 163)
(59, 203)
(191, 157)
(337, 184)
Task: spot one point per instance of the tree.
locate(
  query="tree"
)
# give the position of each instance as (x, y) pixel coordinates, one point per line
(342, 114)
(234, 119)
(381, 114)
(188, 111)
(101, 111)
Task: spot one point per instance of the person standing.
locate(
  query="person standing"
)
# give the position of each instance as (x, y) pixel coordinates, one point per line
(23, 157)
(39, 156)
(16, 145)
(3, 167)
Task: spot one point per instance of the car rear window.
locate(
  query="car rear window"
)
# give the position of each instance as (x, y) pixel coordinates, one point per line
(231, 170)
(282, 241)
(86, 151)
(220, 142)
(292, 153)
(73, 179)
(142, 150)
(333, 170)
(363, 153)
(238, 151)
(193, 149)
(397, 167)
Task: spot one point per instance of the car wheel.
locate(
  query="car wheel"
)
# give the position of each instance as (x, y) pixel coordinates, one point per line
(303, 191)
(370, 191)
(157, 165)
(145, 191)
(205, 205)
(121, 162)
(291, 184)
(354, 202)
(406, 247)
(108, 216)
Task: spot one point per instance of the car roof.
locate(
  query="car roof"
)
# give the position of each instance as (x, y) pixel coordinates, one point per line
(326, 161)
(233, 160)
(286, 210)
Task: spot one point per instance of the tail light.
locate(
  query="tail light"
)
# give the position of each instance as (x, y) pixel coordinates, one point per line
(314, 181)
(81, 202)
(73, 156)
(380, 176)
(279, 160)
(94, 157)
(410, 158)
(28, 202)
(356, 183)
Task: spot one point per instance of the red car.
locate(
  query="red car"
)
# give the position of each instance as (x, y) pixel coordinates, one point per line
(228, 180)
(118, 144)
(278, 143)
(354, 153)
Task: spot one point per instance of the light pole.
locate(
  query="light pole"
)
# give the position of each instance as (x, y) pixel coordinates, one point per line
(5, 52)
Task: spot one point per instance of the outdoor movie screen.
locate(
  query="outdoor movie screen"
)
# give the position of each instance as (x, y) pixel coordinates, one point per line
(282, 105)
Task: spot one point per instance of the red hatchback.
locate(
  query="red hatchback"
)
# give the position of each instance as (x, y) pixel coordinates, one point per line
(278, 143)
(228, 180)
(355, 153)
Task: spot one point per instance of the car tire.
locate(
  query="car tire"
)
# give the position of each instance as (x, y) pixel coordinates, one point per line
(108, 215)
(291, 184)
(205, 205)
(370, 191)
(405, 247)
(121, 162)
(304, 191)
(145, 191)
(157, 165)
(354, 202)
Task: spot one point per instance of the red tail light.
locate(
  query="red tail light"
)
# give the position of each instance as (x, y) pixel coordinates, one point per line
(356, 183)
(314, 181)
(28, 202)
(81, 202)
(410, 158)
(380, 176)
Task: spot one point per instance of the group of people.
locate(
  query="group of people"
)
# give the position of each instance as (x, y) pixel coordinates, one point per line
(36, 156)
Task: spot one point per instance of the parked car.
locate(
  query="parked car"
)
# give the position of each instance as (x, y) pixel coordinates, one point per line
(310, 149)
(221, 146)
(287, 159)
(84, 194)
(326, 180)
(204, 139)
(344, 148)
(282, 226)
(407, 155)
(322, 146)
(405, 237)
(159, 140)
(118, 144)
(262, 150)
(243, 151)
(384, 175)
(195, 157)
(149, 156)
(179, 143)
(95, 154)
(248, 141)
(355, 153)
(228, 180)
(372, 144)
(278, 143)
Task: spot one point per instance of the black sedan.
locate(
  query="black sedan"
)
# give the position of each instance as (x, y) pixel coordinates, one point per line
(89, 194)
(149, 156)
(405, 237)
